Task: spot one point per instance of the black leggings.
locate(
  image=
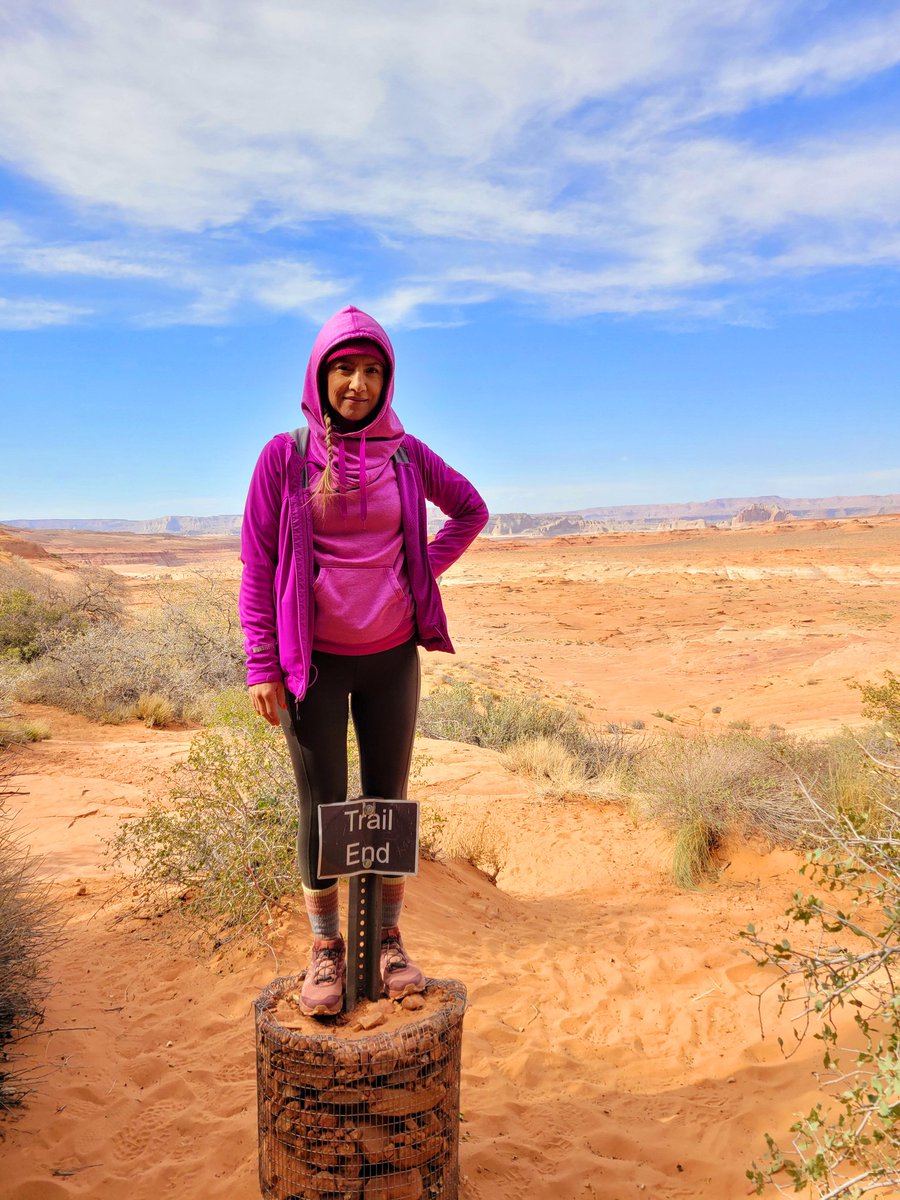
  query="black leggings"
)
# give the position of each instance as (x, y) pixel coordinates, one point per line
(381, 692)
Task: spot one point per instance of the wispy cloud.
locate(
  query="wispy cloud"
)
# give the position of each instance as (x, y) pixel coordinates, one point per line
(591, 157)
(22, 314)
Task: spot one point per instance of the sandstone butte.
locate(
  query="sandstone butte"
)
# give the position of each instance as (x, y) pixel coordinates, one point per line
(613, 1045)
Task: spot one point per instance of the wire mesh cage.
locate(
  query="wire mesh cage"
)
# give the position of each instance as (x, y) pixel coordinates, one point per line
(362, 1118)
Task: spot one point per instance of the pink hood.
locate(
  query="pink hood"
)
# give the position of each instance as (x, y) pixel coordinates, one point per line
(362, 454)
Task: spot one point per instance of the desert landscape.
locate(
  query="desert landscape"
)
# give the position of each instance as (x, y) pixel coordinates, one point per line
(614, 1044)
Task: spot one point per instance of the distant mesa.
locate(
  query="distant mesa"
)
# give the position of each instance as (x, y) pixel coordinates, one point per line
(760, 514)
(703, 514)
(224, 526)
(693, 514)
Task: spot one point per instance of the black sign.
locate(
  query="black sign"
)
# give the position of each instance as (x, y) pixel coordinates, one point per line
(373, 837)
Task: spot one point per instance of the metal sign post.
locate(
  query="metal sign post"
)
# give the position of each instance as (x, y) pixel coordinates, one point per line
(363, 940)
(365, 839)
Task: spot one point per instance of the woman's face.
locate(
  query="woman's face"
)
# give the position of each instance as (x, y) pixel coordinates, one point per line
(355, 384)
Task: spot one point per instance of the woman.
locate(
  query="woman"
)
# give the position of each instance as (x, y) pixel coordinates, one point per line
(338, 589)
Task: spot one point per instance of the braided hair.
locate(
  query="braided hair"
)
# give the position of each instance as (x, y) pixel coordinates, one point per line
(326, 485)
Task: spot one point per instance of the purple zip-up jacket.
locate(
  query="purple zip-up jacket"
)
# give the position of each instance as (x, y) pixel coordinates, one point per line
(276, 599)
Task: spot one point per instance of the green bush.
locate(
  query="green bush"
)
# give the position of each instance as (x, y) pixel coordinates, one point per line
(223, 844)
(36, 609)
(881, 702)
(26, 623)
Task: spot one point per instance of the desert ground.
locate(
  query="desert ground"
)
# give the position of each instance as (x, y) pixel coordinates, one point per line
(614, 1045)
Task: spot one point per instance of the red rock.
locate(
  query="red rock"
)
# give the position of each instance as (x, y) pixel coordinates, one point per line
(401, 1185)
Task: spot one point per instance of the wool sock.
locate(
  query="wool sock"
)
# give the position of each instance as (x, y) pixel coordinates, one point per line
(392, 888)
(323, 911)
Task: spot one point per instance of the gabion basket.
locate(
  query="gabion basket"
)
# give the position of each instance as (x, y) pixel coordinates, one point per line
(369, 1118)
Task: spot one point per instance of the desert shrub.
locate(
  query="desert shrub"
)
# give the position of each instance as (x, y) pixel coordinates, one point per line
(843, 960)
(488, 718)
(26, 623)
(705, 789)
(36, 609)
(13, 730)
(221, 847)
(432, 829)
(183, 652)
(740, 784)
(474, 837)
(500, 721)
(27, 932)
(881, 703)
(839, 771)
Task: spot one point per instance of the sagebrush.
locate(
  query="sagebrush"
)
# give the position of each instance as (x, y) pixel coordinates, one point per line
(183, 654)
(36, 608)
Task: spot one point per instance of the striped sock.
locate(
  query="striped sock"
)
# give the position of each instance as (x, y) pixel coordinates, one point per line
(323, 911)
(392, 888)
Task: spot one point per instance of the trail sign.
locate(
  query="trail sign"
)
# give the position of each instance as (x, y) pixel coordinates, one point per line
(373, 837)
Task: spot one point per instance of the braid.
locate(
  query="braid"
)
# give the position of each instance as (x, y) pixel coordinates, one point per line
(325, 489)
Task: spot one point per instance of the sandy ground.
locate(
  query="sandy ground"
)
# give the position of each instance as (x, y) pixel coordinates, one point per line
(768, 624)
(613, 1046)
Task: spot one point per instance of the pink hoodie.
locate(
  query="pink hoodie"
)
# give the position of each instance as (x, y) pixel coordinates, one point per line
(279, 612)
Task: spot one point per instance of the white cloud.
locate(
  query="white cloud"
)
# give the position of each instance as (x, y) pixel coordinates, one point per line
(576, 154)
(21, 314)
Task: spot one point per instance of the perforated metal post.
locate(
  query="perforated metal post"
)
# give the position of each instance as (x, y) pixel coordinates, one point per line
(363, 940)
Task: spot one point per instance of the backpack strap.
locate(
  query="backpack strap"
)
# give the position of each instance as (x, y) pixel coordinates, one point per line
(301, 441)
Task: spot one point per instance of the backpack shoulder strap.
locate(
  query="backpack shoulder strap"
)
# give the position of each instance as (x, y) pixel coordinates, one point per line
(301, 441)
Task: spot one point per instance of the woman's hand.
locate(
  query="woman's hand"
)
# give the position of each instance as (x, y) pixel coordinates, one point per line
(267, 699)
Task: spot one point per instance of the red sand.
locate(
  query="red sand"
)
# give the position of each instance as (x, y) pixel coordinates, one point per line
(612, 1047)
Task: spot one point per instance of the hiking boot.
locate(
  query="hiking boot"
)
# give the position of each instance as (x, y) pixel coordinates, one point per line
(322, 994)
(399, 975)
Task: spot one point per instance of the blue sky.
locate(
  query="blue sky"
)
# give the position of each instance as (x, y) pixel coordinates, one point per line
(627, 252)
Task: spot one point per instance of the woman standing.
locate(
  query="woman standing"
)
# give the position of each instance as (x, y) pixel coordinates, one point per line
(338, 590)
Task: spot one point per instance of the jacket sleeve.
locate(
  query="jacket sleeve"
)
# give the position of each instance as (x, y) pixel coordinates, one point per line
(259, 554)
(457, 499)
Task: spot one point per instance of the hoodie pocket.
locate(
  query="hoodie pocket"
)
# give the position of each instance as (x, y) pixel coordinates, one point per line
(358, 605)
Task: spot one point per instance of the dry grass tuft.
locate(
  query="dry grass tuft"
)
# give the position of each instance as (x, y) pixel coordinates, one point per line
(555, 769)
(478, 838)
(155, 710)
(474, 837)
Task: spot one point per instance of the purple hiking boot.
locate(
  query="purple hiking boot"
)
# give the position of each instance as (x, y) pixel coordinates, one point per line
(322, 994)
(399, 974)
